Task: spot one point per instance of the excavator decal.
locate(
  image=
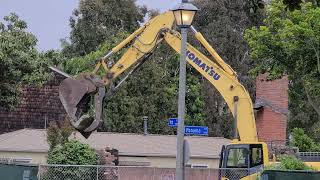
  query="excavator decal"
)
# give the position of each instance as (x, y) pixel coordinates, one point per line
(191, 56)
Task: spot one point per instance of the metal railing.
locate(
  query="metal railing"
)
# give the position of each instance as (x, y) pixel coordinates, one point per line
(316, 154)
(77, 172)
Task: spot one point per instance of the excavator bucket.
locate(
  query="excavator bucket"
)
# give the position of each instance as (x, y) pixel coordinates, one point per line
(75, 96)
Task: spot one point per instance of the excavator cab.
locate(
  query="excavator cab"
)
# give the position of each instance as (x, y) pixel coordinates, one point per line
(76, 94)
(242, 161)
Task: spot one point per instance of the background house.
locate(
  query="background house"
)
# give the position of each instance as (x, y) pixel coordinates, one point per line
(30, 145)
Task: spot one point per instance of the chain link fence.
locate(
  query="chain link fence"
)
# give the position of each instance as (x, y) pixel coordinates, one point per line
(70, 172)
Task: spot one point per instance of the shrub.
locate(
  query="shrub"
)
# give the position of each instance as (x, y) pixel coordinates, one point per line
(72, 153)
(288, 162)
(58, 133)
(303, 141)
(292, 163)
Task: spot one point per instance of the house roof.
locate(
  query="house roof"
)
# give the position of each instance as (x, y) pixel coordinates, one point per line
(34, 140)
(260, 103)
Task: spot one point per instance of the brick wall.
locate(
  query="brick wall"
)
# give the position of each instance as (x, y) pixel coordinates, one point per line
(38, 107)
(271, 119)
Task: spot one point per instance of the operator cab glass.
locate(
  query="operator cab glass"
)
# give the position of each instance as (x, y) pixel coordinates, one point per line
(238, 158)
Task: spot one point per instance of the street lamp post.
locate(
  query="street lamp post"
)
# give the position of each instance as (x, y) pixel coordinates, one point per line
(184, 14)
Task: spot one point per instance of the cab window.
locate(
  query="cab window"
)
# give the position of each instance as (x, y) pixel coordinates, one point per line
(238, 158)
(256, 155)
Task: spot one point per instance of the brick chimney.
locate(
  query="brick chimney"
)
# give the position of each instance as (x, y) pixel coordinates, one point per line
(271, 107)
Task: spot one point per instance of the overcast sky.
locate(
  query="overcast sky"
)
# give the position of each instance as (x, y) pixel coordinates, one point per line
(49, 19)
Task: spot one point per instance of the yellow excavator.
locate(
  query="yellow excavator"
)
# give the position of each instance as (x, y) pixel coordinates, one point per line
(243, 158)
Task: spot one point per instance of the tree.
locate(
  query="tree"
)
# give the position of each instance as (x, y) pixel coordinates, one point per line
(223, 24)
(20, 62)
(96, 21)
(303, 141)
(289, 44)
(58, 134)
(296, 4)
(17, 51)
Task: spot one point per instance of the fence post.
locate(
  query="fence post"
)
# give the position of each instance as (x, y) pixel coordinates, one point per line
(154, 173)
(119, 172)
(97, 172)
(39, 170)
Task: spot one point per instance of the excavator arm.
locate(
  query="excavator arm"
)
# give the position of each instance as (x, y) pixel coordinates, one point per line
(220, 75)
(141, 43)
(74, 91)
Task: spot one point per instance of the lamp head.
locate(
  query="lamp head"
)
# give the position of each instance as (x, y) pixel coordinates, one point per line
(184, 14)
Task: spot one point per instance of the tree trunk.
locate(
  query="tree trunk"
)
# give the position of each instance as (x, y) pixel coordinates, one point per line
(312, 103)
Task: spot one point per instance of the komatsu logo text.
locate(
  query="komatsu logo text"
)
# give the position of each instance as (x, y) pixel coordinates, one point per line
(203, 65)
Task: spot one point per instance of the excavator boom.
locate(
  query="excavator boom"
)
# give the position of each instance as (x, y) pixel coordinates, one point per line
(74, 91)
(78, 92)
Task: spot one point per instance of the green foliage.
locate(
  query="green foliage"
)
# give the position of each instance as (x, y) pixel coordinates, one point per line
(58, 135)
(303, 141)
(17, 52)
(292, 4)
(289, 163)
(73, 153)
(296, 4)
(292, 163)
(53, 135)
(279, 46)
(288, 44)
(82, 64)
(95, 21)
(20, 62)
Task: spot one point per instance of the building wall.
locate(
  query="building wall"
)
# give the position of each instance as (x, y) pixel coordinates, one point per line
(272, 125)
(160, 162)
(167, 162)
(36, 157)
(38, 107)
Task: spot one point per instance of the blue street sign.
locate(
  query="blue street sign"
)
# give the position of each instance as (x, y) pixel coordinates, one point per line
(196, 130)
(173, 122)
